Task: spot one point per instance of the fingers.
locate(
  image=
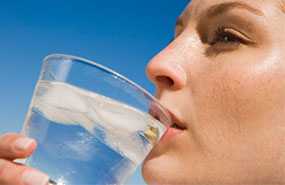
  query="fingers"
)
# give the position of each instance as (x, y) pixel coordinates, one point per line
(13, 174)
(13, 146)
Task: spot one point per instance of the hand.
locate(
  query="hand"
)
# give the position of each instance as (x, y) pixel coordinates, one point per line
(16, 146)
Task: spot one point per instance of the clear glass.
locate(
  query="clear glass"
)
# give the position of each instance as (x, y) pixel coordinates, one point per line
(92, 125)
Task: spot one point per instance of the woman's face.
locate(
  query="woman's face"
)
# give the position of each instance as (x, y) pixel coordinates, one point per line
(223, 80)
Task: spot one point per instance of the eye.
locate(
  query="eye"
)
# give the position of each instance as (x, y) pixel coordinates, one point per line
(228, 36)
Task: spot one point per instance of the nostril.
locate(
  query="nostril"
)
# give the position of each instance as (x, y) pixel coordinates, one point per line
(165, 81)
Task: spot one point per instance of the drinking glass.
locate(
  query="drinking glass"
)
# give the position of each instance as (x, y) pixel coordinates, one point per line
(92, 125)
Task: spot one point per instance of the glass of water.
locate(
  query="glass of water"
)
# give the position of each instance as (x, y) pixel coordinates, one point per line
(92, 125)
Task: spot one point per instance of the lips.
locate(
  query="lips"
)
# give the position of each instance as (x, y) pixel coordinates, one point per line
(166, 116)
(176, 128)
(175, 125)
(177, 122)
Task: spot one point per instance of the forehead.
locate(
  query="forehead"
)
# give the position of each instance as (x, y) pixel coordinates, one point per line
(196, 7)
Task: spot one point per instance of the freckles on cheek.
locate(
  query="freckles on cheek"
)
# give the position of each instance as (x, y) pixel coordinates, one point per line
(248, 96)
(226, 97)
(234, 99)
(239, 87)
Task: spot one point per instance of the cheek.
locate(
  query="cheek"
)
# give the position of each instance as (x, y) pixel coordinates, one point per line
(242, 86)
(247, 92)
(251, 91)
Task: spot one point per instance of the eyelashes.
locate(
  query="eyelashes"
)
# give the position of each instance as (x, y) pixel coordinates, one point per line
(227, 36)
(221, 39)
(225, 39)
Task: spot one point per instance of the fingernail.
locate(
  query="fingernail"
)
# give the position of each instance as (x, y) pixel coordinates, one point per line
(34, 178)
(23, 143)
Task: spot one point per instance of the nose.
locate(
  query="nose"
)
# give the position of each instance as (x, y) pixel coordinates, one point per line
(166, 71)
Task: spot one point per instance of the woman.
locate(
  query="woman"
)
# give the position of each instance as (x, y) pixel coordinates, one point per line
(223, 80)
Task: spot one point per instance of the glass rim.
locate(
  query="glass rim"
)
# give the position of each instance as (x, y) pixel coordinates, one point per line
(114, 73)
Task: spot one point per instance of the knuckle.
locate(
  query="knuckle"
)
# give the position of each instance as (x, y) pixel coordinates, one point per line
(4, 136)
(8, 139)
(9, 136)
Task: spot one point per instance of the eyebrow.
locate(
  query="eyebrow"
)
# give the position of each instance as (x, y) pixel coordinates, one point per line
(219, 9)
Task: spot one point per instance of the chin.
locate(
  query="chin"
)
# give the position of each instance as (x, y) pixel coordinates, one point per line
(165, 165)
(163, 169)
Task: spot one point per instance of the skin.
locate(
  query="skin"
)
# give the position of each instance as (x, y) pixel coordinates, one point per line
(12, 173)
(223, 79)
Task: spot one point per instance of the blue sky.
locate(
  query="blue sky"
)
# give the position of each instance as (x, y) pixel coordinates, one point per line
(123, 35)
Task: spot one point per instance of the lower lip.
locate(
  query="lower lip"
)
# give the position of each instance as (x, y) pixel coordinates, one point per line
(171, 133)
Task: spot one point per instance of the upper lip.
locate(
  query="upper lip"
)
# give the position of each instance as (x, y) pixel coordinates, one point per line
(172, 117)
(176, 121)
